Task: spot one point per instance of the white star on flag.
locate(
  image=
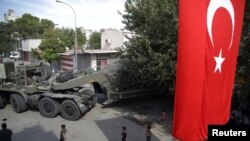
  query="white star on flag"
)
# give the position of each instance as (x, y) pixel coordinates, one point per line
(219, 60)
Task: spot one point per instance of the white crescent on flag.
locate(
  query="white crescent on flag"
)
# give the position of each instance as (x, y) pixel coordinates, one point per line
(214, 5)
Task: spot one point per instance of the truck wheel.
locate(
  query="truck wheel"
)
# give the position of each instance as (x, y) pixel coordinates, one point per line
(70, 110)
(92, 94)
(48, 107)
(1, 102)
(18, 104)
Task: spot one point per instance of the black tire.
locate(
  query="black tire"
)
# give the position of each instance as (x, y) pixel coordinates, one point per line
(1, 102)
(93, 98)
(94, 101)
(64, 77)
(70, 110)
(46, 71)
(48, 107)
(18, 104)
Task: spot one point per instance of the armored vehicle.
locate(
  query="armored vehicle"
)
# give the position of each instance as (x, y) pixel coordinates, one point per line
(34, 86)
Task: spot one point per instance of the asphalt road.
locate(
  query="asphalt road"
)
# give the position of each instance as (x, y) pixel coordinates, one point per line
(100, 124)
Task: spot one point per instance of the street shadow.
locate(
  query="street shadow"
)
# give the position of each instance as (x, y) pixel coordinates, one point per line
(148, 110)
(135, 132)
(33, 132)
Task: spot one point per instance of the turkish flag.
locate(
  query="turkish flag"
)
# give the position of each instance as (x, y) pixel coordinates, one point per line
(208, 43)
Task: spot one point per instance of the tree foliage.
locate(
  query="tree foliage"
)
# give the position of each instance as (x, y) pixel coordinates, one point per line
(28, 26)
(81, 37)
(36, 53)
(49, 55)
(242, 81)
(69, 37)
(52, 44)
(95, 40)
(151, 50)
(54, 41)
(7, 41)
(46, 24)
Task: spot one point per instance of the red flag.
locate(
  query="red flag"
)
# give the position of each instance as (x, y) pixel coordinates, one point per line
(209, 37)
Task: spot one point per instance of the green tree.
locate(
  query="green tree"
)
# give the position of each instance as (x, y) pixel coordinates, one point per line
(151, 50)
(51, 45)
(95, 40)
(49, 55)
(7, 41)
(36, 53)
(242, 82)
(81, 38)
(68, 37)
(28, 26)
(46, 24)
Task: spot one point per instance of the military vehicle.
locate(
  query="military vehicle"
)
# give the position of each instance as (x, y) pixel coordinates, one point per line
(34, 86)
(70, 94)
(113, 81)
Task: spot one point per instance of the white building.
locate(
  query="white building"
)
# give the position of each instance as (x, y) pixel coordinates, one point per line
(86, 58)
(27, 46)
(10, 16)
(96, 59)
(88, 33)
(111, 39)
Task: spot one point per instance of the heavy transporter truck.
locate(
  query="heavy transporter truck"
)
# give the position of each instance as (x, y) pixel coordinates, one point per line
(31, 85)
(66, 93)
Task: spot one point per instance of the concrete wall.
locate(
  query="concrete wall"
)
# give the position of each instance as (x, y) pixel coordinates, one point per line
(111, 39)
(112, 60)
(29, 44)
(86, 61)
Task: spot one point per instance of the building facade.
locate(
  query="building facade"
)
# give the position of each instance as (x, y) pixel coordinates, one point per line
(86, 58)
(111, 39)
(10, 16)
(27, 46)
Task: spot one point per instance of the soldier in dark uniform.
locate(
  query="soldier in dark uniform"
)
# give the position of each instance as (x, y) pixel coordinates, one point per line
(148, 133)
(63, 133)
(124, 133)
(5, 134)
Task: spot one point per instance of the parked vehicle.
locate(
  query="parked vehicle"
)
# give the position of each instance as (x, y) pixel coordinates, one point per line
(15, 55)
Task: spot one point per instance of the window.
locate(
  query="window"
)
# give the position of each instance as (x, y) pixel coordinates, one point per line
(108, 41)
(100, 63)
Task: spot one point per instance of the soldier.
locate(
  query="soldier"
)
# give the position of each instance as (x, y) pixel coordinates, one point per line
(148, 133)
(5, 134)
(63, 133)
(124, 133)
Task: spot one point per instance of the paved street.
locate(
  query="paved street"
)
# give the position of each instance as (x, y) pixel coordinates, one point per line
(100, 124)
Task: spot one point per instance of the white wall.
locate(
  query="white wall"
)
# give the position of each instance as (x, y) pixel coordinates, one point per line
(93, 62)
(112, 60)
(88, 33)
(111, 39)
(28, 44)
